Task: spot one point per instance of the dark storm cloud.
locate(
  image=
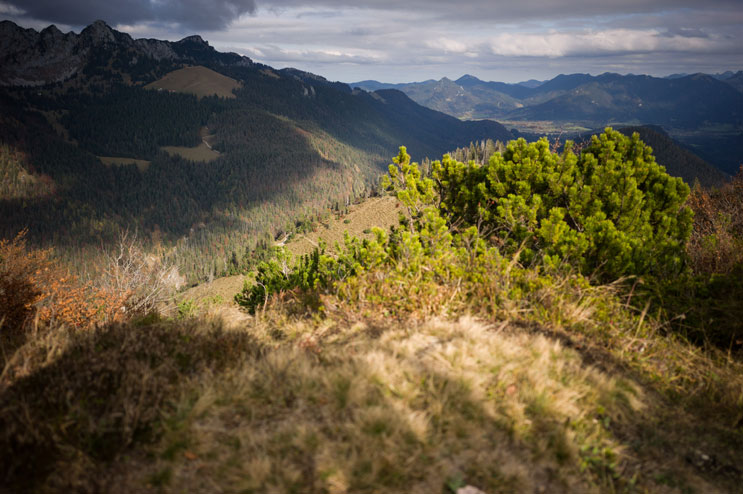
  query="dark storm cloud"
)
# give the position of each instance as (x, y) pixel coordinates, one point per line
(216, 15)
(512, 11)
(191, 14)
(397, 41)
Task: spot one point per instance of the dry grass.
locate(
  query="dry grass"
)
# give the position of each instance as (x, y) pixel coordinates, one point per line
(717, 238)
(202, 152)
(337, 407)
(197, 80)
(381, 212)
(351, 403)
(72, 401)
(399, 409)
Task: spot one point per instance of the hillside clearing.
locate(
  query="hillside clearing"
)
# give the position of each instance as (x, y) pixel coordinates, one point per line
(379, 212)
(205, 297)
(196, 80)
(202, 152)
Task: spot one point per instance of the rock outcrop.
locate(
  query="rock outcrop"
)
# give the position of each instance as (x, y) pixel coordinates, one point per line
(32, 58)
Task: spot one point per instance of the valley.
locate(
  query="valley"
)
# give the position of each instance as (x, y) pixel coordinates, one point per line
(703, 112)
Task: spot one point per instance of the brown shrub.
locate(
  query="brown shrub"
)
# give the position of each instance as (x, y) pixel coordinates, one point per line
(716, 243)
(22, 276)
(37, 292)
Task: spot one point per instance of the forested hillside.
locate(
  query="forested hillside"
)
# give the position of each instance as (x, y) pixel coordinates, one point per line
(292, 146)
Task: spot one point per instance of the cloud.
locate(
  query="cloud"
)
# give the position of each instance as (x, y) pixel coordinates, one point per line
(685, 32)
(506, 11)
(448, 45)
(283, 56)
(192, 14)
(6, 9)
(598, 43)
(417, 39)
(214, 15)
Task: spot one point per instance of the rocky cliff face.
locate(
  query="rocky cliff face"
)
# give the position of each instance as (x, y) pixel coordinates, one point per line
(31, 58)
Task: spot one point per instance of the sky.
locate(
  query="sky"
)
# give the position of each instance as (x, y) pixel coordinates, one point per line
(415, 40)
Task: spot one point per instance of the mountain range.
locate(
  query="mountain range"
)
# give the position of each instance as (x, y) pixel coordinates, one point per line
(679, 102)
(209, 178)
(31, 58)
(705, 112)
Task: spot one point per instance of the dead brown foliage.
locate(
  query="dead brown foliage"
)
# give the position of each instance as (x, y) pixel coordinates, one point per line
(21, 279)
(716, 244)
(38, 293)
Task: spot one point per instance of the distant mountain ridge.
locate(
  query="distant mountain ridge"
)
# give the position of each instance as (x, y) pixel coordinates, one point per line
(735, 80)
(686, 101)
(704, 112)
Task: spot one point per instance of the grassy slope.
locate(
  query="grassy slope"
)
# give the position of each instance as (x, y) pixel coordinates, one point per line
(375, 405)
(360, 403)
(201, 153)
(379, 211)
(197, 80)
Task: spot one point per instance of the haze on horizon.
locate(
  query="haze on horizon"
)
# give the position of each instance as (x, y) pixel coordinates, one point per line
(428, 39)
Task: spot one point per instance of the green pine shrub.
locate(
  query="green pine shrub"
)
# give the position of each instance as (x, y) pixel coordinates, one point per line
(610, 211)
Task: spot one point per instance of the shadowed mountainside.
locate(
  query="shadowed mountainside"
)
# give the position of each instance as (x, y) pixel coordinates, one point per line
(291, 144)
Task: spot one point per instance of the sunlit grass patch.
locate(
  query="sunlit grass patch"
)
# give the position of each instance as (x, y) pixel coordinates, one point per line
(403, 412)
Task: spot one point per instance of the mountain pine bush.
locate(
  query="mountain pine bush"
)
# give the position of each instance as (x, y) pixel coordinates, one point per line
(611, 211)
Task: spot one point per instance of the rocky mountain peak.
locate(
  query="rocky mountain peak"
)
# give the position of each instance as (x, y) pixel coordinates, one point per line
(99, 33)
(194, 39)
(51, 31)
(52, 35)
(32, 58)
(10, 32)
